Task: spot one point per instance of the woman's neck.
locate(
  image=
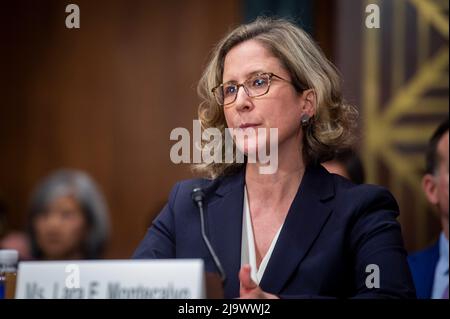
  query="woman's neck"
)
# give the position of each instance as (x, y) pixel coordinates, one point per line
(280, 185)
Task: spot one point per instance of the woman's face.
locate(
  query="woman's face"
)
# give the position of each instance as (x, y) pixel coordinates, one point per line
(60, 231)
(280, 108)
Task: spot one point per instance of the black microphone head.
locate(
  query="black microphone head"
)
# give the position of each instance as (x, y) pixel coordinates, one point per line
(197, 194)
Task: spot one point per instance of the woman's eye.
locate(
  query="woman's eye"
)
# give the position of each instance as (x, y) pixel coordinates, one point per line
(259, 82)
(66, 214)
(229, 90)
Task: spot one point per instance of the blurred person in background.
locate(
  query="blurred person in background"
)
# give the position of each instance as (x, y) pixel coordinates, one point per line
(12, 239)
(347, 164)
(68, 218)
(2, 218)
(429, 267)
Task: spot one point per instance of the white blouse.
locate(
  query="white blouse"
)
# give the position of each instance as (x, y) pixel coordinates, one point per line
(248, 251)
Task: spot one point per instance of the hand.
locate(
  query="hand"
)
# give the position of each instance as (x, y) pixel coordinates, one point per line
(249, 289)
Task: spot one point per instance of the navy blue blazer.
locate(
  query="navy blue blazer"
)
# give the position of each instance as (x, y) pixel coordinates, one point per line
(332, 232)
(423, 265)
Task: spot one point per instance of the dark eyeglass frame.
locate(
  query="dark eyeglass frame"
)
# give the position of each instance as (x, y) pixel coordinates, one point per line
(238, 85)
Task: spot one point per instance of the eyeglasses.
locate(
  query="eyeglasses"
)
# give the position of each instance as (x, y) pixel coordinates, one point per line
(257, 85)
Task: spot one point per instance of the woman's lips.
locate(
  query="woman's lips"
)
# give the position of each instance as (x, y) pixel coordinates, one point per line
(248, 125)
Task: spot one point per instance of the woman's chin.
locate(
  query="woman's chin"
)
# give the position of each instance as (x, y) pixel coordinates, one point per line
(251, 152)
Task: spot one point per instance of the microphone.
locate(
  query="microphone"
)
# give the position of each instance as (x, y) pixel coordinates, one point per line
(198, 196)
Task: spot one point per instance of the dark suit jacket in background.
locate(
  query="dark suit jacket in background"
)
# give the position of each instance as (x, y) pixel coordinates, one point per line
(423, 265)
(332, 232)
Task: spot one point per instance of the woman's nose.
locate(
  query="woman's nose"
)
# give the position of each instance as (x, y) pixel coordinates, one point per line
(53, 220)
(243, 102)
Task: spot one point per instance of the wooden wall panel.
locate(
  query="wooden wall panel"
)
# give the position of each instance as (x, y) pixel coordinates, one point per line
(398, 77)
(103, 98)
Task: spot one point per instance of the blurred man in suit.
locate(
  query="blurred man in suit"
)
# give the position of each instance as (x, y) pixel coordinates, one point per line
(430, 266)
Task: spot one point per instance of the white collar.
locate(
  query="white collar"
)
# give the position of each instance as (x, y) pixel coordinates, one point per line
(248, 250)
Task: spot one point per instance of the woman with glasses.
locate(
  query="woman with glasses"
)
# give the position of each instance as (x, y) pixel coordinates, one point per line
(299, 232)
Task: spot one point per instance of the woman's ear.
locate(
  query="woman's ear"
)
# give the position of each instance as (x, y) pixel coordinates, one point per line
(308, 102)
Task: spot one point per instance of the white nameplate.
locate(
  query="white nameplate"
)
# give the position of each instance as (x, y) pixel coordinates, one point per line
(111, 279)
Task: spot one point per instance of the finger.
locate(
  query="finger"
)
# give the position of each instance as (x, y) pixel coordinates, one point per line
(245, 278)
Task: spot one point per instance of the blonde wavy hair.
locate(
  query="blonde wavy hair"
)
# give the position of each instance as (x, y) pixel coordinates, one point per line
(333, 124)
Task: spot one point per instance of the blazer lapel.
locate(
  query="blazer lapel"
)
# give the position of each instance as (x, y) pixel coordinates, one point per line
(224, 220)
(304, 221)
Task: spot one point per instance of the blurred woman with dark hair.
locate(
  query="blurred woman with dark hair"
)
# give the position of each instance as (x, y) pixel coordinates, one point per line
(68, 218)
